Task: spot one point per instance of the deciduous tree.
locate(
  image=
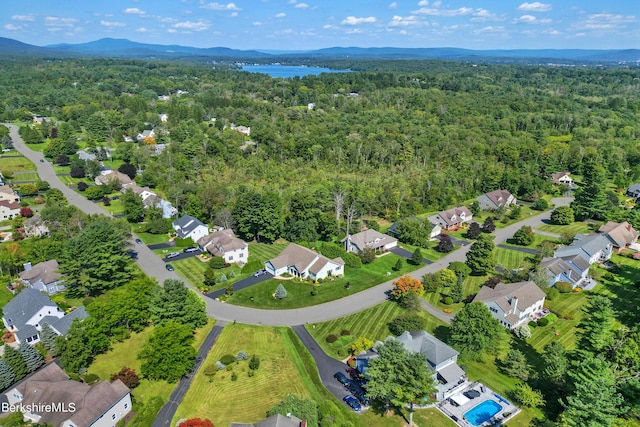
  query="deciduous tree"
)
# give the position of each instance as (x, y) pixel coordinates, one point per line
(480, 256)
(562, 215)
(169, 353)
(474, 331)
(175, 302)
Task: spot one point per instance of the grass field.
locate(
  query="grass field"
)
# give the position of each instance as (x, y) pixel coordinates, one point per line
(431, 253)
(575, 228)
(16, 164)
(22, 177)
(537, 241)
(283, 370)
(299, 293)
(511, 259)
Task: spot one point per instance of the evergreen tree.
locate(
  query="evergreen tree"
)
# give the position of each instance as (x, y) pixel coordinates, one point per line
(489, 226)
(480, 256)
(597, 325)
(398, 265)
(175, 302)
(474, 230)
(281, 292)
(32, 359)
(7, 377)
(16, 362)
(515, 365)
(416, 257)
(457, 292)
(474, 331)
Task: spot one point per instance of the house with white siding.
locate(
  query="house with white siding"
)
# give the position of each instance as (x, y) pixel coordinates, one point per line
(512, 304)
(304, 263)
(369, 239)
(495, 200)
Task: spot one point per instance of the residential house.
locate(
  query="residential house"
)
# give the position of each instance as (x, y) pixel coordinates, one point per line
(35, 226)
(37, 118)
(436, 229)
(149, 198)
(496, 199)
(9, 209)
(634, 191)
(43, 276)
(7, 193)
(369, 239)
(562, 178)
(620, 234)
(513, 304)
(225, 244)
(592, 247)
(452, 218)
(441, 359)
(108, 176)
(301, 262)
(190, 227)
(570, 269)
(145, 134)
(277, 420)
(75, 404)
(163, 117)
(242, 129)
(25, 315)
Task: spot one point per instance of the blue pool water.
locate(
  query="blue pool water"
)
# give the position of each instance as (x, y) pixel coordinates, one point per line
(482, 412)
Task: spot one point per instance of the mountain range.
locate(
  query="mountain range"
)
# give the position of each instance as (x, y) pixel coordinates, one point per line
(123, 48)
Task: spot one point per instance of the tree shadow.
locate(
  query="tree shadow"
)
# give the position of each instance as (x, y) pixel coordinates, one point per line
(443, 333)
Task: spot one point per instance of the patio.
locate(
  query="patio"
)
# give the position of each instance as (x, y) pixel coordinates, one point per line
(456, 406)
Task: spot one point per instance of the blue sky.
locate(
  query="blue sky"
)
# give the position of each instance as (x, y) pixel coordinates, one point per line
(313, 24)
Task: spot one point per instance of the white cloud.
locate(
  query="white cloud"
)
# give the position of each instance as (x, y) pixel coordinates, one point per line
(280, 15)
(393, 5)
(29, 18)
(354, 31)
(141, 30)
(423, 3)
(604, 21)
(111, 24)
(234, 14)
(134, 11)
(219, 6)
(301, 6)
(53, 21)
(171, 30)
(329, 27)
(406, 21)
(445, 12)
(12, 27)
(534, 7)
(192, 26)
(352, 20)
(530, 19)
(490, 29)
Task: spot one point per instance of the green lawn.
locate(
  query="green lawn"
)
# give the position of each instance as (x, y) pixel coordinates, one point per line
(25, 177)
(16, 164)
(537, 241)
(285, 367)
(299, 293)
(511, 259)
(5, 295)
(575, 228)
(370, 323)
(148, 238)
(430, 253)
(115, 207)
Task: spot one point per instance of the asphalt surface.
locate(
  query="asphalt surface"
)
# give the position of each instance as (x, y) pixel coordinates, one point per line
(327, 366)
(407, 254)
(241, 284)
(169, 409)
(162, 245)
(182, 255)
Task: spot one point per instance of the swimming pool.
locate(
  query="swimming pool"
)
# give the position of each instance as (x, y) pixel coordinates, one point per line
(481, 413)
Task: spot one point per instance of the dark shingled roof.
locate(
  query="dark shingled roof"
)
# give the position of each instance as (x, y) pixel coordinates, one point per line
(186, 225)
(24, 306)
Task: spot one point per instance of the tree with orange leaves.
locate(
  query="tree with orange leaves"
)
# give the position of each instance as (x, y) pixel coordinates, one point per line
(405, 285)
(196, 422)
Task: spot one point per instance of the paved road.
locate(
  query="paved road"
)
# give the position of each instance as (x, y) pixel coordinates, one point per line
(327, 366)
(407, 254)
(547, 234)
(242, 284)
(167, 412)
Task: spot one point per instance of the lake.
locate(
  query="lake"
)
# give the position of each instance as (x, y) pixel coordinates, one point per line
(287, 71)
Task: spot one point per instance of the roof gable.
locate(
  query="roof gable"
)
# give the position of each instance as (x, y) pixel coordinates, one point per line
(422, 342)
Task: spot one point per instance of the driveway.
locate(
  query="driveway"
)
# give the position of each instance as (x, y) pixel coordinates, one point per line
(242, 284)
(407, 254)
(327, 366)
(169, 409)
(166, 245)
(181, 255)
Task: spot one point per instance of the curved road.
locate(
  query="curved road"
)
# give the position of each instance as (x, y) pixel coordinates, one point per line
(154, 267)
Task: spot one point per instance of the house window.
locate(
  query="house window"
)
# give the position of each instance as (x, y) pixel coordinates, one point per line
(230, 257)
(126, 405)
(113, 417)
(241, 255)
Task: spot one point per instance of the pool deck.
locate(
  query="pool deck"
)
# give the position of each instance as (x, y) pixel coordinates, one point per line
(456, 413)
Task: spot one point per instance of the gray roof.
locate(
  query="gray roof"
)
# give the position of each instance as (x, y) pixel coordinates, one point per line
(186, 224)
(498, 197)
(635, 188)
(589, 244)
(425, 343)
(63, 324)
(527, 294)
(47, 272)
(22, 308)
(370, 239)
(449, 215)
(25, 332)
(276, 420)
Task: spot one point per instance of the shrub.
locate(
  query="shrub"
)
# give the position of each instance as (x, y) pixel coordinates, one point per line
(367, 255)
(127, 376)
(540, 205)
(91, 378)
(251, 373)
(228, 359)
(406, 322)
(332, 338)
(345, 332)
(448, 300)
(543, 322)
(552, 293)
(216, 262)
(234, 376)
(281, 292)
(564, 287)
(532, 324)
(254, 363)
(551, 317)
(361, 344)
(223, 278)
(242, 356)
(522, 332)
(210, 370)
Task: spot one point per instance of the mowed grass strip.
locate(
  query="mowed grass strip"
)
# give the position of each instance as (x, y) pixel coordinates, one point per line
(509, 258)
(247, 399)
(575, 228)
(16, 164)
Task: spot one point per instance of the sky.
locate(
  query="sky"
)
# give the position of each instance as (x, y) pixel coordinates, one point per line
(315, 24)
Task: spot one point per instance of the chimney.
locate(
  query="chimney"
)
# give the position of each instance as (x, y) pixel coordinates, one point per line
(27, 266)
(303, 423)
(514, 304)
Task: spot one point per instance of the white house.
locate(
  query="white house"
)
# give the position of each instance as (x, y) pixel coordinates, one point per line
(190, 227)
(25, 315)
(43, 276)
(145, 134)
(9, 210)
(513, 304)
(7, 193)
(225, 244)
(562, 178)
(369, 239)
(496, 199)
(108, 176)
(592, 247)
(570, 269)
(74, 404)
(452, 218)
(301, 262)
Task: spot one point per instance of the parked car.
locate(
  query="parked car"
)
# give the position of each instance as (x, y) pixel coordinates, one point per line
(138, 241)
(352, 402)
(259, 273)
(169, 267)
(41, 160)
(191, 249)
(342, 378)
(173, 255)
